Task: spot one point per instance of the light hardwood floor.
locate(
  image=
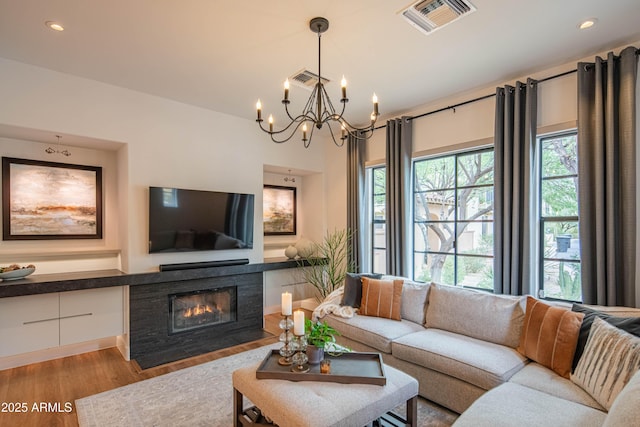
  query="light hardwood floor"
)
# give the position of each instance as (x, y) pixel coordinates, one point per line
(45, 393)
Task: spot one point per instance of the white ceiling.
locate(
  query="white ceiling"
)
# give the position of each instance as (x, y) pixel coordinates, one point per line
(224, 54)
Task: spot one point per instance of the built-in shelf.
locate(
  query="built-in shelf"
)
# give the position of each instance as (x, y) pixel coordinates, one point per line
(30, 255)
(62, 282)
(279, 245)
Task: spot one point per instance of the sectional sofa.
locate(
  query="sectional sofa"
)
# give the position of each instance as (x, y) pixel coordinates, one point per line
(479, 354)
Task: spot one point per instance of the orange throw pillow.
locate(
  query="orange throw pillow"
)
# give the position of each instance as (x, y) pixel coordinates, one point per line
(381, 298)
(550, 335)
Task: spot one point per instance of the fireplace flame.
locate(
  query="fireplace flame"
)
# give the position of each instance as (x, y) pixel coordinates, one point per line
(198, 310)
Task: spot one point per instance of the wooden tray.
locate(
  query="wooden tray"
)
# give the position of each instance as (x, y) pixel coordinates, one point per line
(348, 368)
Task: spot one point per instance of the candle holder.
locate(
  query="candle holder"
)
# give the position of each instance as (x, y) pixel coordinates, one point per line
(286, 337)
(300, 359)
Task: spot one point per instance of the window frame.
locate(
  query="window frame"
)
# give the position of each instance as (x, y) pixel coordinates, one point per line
(373, 221)
(456, 220)
(543, 219)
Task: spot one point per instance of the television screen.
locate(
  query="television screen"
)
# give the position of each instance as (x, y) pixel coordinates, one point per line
(194, 220)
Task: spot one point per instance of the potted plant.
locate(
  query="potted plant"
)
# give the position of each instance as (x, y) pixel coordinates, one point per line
(328, 264)
(318, 334)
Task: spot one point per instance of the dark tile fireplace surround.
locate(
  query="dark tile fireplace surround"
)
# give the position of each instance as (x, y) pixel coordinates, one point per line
(163, 327)
(154, 338)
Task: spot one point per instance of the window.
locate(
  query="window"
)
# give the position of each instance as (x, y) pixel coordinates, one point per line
(560, 275)
(453, 219)
(378, 217)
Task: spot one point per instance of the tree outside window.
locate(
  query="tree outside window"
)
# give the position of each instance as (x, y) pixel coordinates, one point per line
(453, 219)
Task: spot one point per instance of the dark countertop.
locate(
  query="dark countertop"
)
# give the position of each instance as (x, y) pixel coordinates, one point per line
(62, 282)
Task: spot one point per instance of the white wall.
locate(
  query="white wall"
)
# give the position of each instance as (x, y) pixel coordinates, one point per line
(166, 143)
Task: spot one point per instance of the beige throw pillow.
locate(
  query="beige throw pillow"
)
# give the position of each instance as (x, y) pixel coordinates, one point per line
(381, 298)
(611, 357)
(469, 313)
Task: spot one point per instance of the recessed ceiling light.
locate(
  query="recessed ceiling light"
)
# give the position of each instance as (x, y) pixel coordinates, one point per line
(56, 26)
(587, 23)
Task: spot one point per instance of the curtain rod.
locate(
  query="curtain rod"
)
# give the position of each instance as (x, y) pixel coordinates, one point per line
(480, 98)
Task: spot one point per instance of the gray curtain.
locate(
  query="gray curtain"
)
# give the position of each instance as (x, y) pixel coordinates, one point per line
(515, 135)
(399, 197)
(607, 178)
(356, 201)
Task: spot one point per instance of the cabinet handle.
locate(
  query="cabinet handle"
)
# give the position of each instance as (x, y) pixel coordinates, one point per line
(56, 318)
(76, 315)
(39, 321)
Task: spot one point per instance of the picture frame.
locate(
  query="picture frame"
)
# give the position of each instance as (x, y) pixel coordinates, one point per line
(279, 214)
(50, 201)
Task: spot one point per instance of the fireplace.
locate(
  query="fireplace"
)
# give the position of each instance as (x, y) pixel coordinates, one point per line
(201, 309)
(225, 310)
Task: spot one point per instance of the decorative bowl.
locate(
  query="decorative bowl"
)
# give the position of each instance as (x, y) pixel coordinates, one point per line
(17, 274)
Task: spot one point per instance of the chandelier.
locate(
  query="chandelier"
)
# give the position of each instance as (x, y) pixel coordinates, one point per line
(319, 109)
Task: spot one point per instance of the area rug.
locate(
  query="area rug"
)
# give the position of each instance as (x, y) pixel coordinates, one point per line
(197, 396)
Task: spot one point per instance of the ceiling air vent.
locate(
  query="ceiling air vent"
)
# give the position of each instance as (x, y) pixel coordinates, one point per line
(431, 15)
(306, 79)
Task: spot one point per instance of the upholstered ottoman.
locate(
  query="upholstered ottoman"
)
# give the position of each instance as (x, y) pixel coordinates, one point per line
(323, 404)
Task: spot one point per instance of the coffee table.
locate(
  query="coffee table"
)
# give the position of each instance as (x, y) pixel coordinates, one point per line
(323, 404)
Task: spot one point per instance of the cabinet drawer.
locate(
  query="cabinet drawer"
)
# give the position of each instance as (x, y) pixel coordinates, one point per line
(28, 323)
(90, 314)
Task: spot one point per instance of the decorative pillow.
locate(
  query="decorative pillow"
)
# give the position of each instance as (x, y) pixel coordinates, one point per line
(627, 324)
(611, 357)
(469, 313)
(550, 335)
(353, 288)
(414, 301)
(381, 298)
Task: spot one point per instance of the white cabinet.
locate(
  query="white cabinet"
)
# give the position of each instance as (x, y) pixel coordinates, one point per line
(28, 323)
(90, 314)
(37, 322)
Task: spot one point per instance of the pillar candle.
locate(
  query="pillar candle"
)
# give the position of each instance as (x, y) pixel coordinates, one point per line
(286, 304)
(298, 322)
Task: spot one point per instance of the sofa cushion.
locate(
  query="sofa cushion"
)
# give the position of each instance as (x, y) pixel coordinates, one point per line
(550, 335)
(375, 332)
(628, 324)
(515, 405)
(381, 298)
(625, 410)
(469, 312)
(353, 288)
(414, 300)
(536, 376)
(611, 357)
(477, 362)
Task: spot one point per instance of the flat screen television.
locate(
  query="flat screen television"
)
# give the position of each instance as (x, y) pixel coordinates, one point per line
(194, 220)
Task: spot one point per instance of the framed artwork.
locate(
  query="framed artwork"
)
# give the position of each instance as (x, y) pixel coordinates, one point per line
(50, 201)
(279, 210)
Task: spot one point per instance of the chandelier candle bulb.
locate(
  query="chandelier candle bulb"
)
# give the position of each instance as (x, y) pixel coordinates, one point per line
(259, 109)
(343, 84)
(304, 132)
(286, 304)
(298, 322)
(271, 128)
(375, 104)
(286, 90)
